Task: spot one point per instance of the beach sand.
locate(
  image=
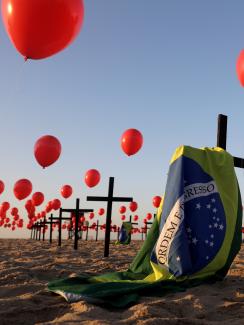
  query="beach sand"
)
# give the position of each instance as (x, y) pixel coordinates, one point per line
(26, 266)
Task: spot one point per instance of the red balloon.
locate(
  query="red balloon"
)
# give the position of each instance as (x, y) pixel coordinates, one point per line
(131, 141)
(56, 204)
(135, 217)
(92, 177)
(122, 209)
(66, 191)
(5, 206)
(101, 211)
(39, 29)
(123, 217)
(240, 68)
(149, 216)
(1, 187)
(37, 198)
(14, 212)
(22, 189)
(91, 215)
(133, 206)
(156, 201)
(47, 150)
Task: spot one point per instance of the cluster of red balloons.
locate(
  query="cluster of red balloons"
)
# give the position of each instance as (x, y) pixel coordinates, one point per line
(5, 220)
(41, 28)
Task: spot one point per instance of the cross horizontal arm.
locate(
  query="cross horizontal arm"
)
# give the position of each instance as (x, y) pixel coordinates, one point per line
(80, 210)
(238, 162)
(122, 199)
(97, 198)
(57, 218)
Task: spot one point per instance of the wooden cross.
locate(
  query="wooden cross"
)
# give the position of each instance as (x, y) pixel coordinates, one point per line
(109, 199)
(78, 212)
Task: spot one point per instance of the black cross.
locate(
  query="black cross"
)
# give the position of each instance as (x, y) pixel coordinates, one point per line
(222, 138)
(78, 212)
(109, 199)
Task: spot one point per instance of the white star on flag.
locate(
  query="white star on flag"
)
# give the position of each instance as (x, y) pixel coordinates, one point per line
(213, 200)
(212, 236)
(207, 257)
(206, 241)
(214, 210)
(221, 227)
(215, 225)
(188, 229)
(208, 206)
(178, 258)
(209, 226)
(211, 244)
(198, 206)
(194, 240)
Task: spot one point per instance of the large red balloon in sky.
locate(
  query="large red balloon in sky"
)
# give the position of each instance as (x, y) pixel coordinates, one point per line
(41, 28)
(47, 150)
(131, 141)
(1, 187)
(66, 191)
(37, 198)
(92, 177)
(22, 189)
(240, 67)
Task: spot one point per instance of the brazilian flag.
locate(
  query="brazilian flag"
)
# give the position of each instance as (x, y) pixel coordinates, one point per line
(193, 240)
(125, 233)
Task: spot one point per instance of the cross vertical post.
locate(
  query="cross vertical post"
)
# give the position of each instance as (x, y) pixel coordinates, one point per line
(51, 229)
(44, 228)
(222, 131)
(97, 227)
(60, 227)
(77, 215)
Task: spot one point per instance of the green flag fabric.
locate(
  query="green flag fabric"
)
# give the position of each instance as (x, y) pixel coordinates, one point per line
(125, 233)
(193, 240)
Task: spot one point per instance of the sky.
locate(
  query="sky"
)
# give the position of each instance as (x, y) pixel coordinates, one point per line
(166, 68)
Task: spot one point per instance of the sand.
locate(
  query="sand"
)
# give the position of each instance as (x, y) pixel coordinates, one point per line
(26, 266)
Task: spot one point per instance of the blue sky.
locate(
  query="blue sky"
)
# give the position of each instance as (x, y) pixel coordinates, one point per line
(166, 68)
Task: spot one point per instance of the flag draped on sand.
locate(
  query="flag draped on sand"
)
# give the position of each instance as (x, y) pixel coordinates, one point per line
(193, 240)
(125, 233)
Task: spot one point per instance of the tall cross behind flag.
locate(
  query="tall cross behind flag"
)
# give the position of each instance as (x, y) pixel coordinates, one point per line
(222, 138)
(109, 199)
